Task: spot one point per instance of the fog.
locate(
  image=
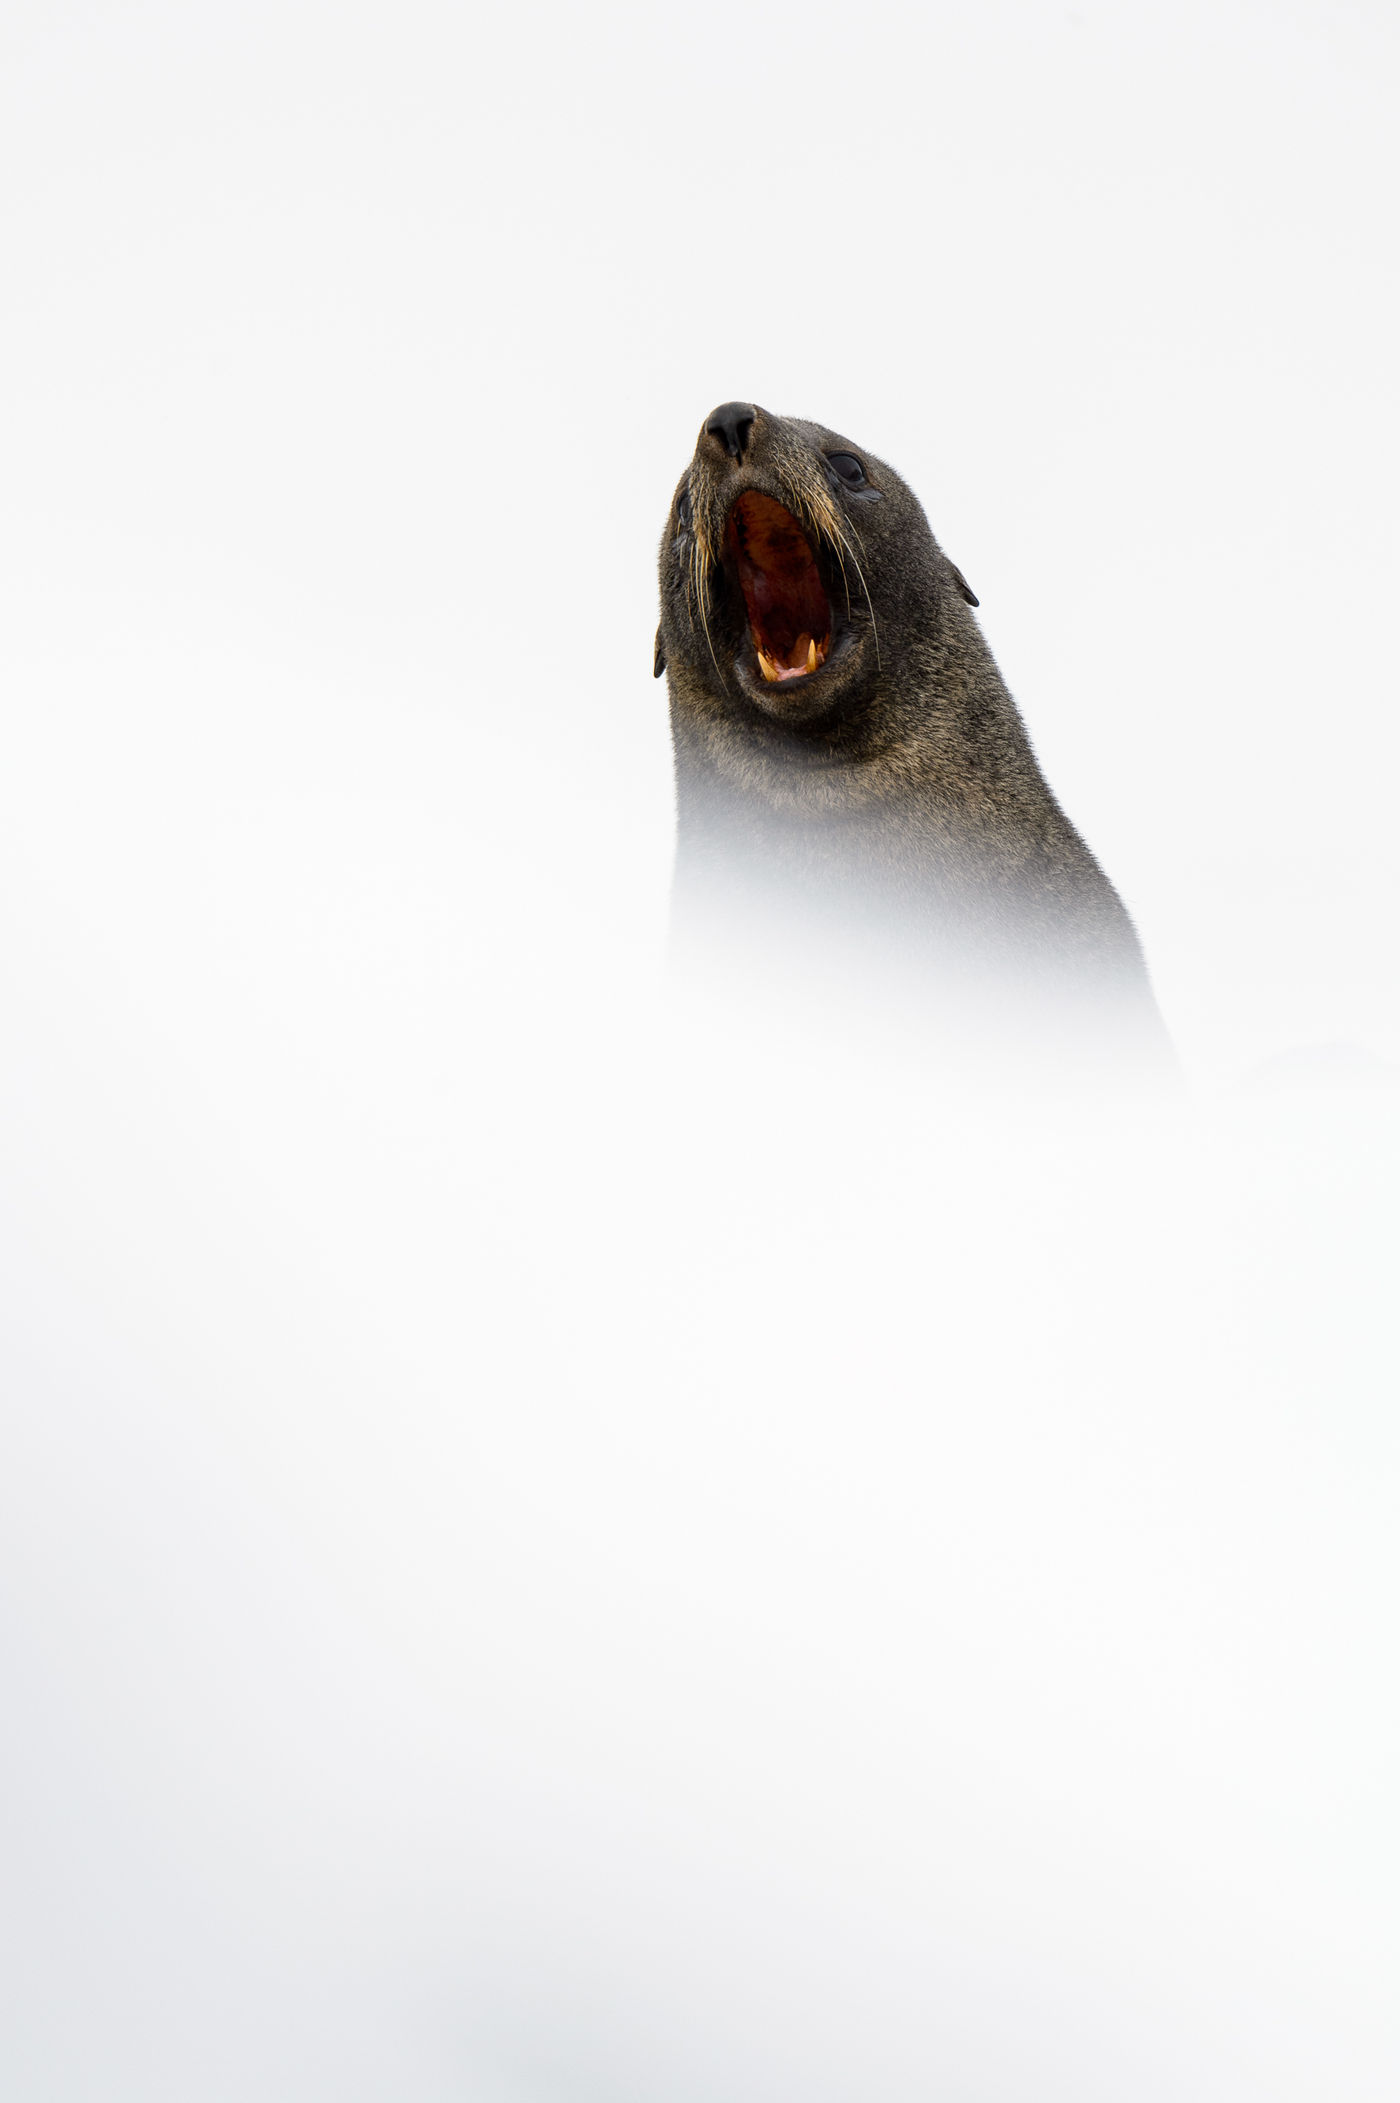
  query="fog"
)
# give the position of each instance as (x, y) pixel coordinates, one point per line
(565, 1539)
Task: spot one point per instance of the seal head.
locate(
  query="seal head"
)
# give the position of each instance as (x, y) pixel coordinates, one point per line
(774, 528)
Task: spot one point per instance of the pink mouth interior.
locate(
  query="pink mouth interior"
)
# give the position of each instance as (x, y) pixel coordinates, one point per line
(789, 617)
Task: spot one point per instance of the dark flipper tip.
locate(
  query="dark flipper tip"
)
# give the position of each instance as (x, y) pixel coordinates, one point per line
(658, 662)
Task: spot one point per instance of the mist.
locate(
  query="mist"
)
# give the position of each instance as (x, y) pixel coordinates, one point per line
(566, 1534)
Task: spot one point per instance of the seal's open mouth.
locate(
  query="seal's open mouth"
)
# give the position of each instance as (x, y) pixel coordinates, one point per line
(789, 616)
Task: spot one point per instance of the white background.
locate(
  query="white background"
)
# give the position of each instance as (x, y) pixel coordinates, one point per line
(537, 1566)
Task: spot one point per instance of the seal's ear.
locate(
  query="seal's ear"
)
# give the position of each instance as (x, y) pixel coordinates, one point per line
(963, 586)
(658, 663)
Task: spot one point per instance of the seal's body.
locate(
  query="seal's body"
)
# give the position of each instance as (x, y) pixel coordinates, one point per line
(857, 794)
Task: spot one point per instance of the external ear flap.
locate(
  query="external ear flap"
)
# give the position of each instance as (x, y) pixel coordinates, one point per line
(963, 586)
(658, 663)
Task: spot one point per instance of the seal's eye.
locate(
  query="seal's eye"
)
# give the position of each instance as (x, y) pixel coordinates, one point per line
(847, 469)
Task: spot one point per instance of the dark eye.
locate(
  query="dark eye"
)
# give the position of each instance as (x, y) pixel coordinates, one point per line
(847, 470)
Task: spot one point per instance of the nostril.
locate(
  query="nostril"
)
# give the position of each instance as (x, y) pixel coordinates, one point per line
(731, 425)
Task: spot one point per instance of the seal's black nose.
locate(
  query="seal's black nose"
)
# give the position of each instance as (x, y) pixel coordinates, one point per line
(732, 425)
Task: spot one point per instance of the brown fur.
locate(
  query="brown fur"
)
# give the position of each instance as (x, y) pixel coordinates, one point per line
(893, 791)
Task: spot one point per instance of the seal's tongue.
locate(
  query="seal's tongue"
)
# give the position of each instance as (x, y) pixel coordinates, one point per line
(789, 617)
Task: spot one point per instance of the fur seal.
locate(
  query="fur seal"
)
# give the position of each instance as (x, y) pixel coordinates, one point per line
(857, 795)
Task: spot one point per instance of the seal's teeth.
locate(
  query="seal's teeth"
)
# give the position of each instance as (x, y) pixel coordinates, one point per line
(812, 655)
(767, 667)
